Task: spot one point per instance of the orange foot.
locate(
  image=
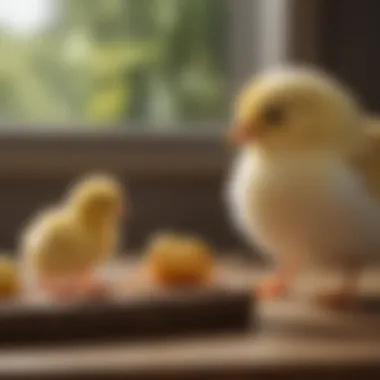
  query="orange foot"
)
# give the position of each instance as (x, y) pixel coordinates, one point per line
(272, 289)
(73, 288)
(336, 301)
(97, 290)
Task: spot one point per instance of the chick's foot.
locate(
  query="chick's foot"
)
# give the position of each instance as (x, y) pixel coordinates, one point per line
(91, 287)
(72, 288)
(347, 295)
(336, 301)
(275, 287)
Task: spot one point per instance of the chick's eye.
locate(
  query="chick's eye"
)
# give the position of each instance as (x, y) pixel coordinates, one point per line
(273, 115)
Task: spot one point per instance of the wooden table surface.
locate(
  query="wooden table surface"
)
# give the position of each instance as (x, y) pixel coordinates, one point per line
(293, 338)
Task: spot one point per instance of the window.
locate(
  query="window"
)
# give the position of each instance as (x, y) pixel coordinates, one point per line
(139, 64)
(155, 65)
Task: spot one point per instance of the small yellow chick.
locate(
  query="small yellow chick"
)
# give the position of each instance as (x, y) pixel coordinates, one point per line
(305, 187)
(99, 203)
(64, 246)
(9, 279)
(179, 260)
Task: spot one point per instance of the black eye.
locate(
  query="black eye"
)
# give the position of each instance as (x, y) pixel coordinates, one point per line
(273, 115)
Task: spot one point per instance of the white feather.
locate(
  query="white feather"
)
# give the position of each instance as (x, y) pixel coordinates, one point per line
(306, 206)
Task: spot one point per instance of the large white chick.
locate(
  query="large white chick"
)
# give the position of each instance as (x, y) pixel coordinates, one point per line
(306, 184)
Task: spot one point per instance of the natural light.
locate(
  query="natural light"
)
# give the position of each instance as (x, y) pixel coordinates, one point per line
(26, 16)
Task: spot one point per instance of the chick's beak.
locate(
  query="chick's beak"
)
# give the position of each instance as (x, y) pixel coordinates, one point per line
(240, 134)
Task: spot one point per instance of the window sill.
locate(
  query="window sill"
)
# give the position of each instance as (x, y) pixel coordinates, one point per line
(136, 155)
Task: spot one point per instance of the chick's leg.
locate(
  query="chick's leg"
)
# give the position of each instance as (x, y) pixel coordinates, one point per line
(278, 285)
(73, 286)
(346, 294)
(91, 286)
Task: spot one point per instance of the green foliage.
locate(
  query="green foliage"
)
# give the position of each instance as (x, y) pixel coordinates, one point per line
(105, 62)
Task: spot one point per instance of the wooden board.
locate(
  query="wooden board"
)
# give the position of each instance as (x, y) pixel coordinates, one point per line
(296, 340)
(180, 312)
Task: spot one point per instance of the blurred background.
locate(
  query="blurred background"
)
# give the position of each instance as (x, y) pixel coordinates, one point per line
(144, 88)
(105, 64)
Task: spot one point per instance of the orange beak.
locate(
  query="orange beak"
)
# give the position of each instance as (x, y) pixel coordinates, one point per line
(240, 134)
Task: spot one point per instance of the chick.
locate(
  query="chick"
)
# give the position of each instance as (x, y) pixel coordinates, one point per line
(174, 259)
(99, 204)
(305, 187)
(64, 246)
